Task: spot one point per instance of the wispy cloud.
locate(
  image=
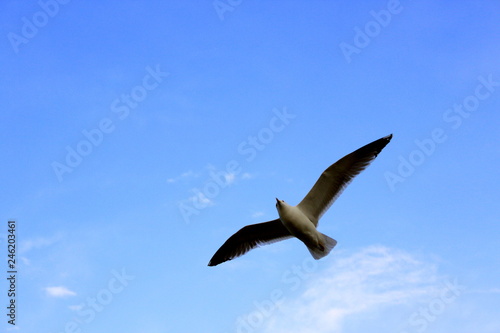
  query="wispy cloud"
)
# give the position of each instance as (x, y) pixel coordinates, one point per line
(247, 175)
(59, 291)
(184, 176)
(204, 196)
(75, 307)
(200, 198)
(485, 291)
(228, 177)
(38, 242)
(369, 280)
(25, 260)
(257, 214)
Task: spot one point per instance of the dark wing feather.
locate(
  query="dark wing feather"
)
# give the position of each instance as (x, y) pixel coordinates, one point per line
(248, 238)
(333, 180)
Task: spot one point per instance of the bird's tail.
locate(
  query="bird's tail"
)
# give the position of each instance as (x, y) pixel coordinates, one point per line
(325, 246)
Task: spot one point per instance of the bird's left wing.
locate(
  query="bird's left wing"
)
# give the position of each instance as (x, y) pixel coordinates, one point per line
(249, 237)
(334, 179)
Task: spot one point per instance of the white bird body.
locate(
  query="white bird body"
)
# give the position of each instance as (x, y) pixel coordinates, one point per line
(301, 227)
(295, 221)
(301, 221)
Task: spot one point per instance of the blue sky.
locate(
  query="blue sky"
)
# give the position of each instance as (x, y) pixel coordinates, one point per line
(136, 137)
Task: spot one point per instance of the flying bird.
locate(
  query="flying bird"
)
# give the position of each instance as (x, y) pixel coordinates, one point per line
(301, 221)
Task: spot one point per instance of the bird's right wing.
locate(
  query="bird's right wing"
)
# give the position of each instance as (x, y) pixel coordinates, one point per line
(334, 179)
(248, 238)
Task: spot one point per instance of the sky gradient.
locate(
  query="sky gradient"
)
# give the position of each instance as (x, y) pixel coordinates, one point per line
(137, 137)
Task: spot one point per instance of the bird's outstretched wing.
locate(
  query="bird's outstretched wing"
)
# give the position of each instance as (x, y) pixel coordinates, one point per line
(248, 238)
(333, 180)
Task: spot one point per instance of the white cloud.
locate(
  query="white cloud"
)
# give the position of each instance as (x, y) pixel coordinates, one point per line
(230, 178)
(189, 174)
(201, 198)
(494, 291)
(59, 291)
(373, 279)
(25, 261)
(247, 175)
(75, 307)
(183, 176)
(485, 291)
(215, 182)
(209, 170)
(38, 242)
(257, 214)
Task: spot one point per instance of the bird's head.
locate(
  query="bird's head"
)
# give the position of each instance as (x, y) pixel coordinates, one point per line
(280, 204)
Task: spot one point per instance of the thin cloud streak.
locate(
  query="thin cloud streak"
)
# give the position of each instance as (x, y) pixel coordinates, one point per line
(38, 242)
(59, 291)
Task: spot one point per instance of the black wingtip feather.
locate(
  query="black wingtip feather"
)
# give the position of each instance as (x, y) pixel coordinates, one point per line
(381, 143)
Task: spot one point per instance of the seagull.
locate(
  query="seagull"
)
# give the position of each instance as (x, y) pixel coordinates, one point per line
(300, 221)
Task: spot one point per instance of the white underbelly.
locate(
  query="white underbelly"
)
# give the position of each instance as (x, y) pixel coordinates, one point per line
(299, 225)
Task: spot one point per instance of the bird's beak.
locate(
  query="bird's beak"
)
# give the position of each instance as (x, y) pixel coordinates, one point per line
(277, 200)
